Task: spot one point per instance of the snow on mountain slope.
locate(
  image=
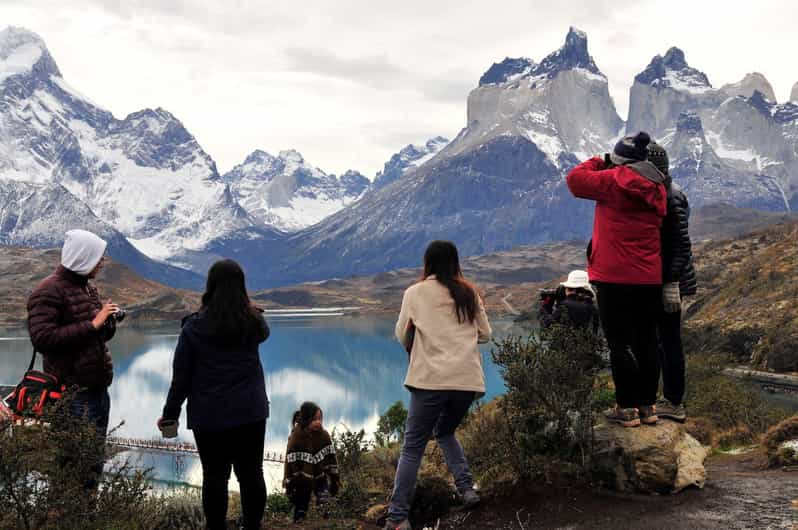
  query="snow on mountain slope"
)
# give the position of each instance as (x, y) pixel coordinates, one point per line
(287, 193)
(38, 215)
(145, 175)
(706, 178)
(409, 157)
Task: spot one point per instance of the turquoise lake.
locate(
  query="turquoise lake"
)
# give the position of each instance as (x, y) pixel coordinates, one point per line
(351, 366)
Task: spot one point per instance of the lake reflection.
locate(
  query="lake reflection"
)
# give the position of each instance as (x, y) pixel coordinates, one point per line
(351, 366)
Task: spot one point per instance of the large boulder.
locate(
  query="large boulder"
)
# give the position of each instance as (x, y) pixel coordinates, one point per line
(650, 459)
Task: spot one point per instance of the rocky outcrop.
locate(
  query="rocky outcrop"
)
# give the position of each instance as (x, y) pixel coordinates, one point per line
(659, 459)
(666, 88)
(794, 93)
(750, 83)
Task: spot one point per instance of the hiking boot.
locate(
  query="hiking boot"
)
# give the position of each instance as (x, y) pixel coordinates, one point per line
(666, 409)
(404, 525)
(648, 414)
(470, 498)
(624, 417)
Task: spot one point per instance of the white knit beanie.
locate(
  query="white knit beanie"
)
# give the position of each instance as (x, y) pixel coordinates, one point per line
(82, 251)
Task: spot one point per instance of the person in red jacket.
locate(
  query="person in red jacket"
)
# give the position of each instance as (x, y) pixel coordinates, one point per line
(625, 265)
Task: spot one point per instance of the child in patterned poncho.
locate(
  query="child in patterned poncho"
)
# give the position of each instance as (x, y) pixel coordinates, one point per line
(310, 462)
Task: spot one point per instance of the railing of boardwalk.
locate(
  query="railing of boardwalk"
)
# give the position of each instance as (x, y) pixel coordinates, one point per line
(163, 446)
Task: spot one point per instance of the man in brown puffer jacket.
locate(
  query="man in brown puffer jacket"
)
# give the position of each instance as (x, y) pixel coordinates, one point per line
(69, 326)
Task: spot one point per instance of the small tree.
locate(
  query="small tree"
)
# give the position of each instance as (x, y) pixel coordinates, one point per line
(549, 400)
(391, 426)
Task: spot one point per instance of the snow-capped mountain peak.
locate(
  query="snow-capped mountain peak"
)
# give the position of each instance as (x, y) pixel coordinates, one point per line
(672, 71)
(286, 192)
(409, 157)
(22, 51)
(572, 55)
(539, 103)
(145, 175)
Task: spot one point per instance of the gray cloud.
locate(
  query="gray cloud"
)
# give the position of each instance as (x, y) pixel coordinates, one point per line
(350, 82)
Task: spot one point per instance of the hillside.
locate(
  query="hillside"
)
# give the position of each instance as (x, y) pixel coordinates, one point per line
(519, 272)
(22, 268)
(746, 304)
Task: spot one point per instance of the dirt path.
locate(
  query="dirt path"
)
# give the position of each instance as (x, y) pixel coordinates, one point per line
(739, 495)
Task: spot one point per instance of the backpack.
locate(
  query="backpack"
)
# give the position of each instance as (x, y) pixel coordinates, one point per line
(36, 391)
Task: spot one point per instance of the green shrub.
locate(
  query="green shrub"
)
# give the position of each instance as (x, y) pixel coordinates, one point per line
(727, 403)
(549, 400)
(44, 471)
(278, 504)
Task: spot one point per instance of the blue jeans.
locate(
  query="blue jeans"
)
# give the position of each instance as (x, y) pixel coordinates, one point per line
(94, 406)
(438, 413)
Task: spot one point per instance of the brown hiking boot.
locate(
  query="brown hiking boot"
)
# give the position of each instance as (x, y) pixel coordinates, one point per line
(625, 417)
(648, 415)
(667, 410)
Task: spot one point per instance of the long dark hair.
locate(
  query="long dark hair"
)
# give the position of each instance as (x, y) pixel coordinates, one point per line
(442, 260)
(307, 411)
(225, 304)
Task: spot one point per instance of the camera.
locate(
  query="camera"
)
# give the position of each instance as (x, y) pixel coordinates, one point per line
(119, 316)
(116, 318)
(556, 294)
(548, 293)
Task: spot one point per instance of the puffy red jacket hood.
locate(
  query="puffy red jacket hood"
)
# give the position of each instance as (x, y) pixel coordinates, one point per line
(631, 201)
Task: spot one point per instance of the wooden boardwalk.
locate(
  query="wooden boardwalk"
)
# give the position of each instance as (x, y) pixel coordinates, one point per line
(162, 446)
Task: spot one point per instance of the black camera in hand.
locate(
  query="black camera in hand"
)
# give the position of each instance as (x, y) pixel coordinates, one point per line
(118, 316)
(554, 295)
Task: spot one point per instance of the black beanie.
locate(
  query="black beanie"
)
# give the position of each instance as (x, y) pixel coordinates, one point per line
(633, 147)
(658, 156)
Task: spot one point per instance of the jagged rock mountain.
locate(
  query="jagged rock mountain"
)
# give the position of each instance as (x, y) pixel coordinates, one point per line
(145, 175)
(562, 105)
(749, 84)
(287, 193)
(38, 215)
(410, 157)
(752, 139)
(706, 178)
(667, 87)
(794, 93)
(499, 184)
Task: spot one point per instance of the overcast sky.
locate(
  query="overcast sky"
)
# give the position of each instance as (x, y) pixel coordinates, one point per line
(349, 82)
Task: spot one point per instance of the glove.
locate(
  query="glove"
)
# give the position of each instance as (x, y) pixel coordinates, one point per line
(671, 300)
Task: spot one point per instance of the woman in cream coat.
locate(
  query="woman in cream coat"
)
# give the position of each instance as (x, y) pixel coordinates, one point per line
(441, 323)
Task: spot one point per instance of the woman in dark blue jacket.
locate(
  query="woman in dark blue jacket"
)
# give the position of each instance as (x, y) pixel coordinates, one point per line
(217, 368)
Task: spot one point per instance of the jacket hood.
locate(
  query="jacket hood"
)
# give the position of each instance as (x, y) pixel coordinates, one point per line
(643, 181)
(82, 251)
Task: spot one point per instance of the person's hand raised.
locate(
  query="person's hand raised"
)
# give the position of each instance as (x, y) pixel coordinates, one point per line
(108, 309)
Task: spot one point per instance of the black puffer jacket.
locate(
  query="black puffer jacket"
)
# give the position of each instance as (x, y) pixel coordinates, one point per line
(677, 254)
(222, 382)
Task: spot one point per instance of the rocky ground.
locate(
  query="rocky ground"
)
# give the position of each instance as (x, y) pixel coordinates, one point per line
(739, 494)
